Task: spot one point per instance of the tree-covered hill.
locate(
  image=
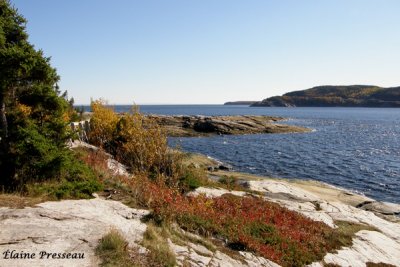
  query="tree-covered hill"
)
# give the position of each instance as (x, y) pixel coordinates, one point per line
(337, 96)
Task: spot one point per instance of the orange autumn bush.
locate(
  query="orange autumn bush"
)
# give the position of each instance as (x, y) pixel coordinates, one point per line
(136, 141)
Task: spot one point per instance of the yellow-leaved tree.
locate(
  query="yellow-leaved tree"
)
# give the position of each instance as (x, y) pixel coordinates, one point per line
(102, 123)
(136, 141)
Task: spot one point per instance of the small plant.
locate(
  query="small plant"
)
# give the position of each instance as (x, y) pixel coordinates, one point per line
(155, 239)
(113, 250)
(317, 206)
(229, 181)
(192, 178)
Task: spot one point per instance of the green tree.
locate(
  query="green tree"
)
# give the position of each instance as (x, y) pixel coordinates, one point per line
(33, 113)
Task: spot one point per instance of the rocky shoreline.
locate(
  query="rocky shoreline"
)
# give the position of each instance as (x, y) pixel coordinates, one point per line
(77, 225)
(180, 126)
(329, 204)
(321, 190)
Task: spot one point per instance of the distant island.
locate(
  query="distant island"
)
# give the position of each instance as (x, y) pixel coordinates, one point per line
(336, 96)
(240, 103)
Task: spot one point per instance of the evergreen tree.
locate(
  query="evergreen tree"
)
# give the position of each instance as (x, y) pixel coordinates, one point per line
(33, 114)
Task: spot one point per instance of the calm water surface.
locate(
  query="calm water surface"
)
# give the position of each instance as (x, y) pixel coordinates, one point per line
(354, 148)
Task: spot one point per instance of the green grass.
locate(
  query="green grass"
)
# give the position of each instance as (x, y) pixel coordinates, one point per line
(180, 237)
(113, 251)
(228, 181)
(193, 178)
(343, 235)
(155, 240)
(65, 189)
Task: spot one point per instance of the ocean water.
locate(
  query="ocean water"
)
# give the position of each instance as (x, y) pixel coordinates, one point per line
(353, 148)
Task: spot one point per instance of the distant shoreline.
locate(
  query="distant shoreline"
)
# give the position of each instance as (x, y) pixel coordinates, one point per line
(336, 96)
(240, 103)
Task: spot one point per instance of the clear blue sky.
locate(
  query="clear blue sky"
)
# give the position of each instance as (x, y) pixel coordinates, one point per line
(212, 51)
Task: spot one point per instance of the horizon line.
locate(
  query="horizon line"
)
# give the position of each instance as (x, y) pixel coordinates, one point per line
(165, 104)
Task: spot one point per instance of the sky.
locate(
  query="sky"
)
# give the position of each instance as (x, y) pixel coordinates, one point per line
(213, 51)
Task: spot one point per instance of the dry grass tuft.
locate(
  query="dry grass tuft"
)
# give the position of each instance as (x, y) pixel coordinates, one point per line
(113, 250)
(16, 201)
(155, 240)
(380, 264)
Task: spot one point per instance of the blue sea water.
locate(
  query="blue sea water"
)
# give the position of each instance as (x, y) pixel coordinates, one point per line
(354, 148)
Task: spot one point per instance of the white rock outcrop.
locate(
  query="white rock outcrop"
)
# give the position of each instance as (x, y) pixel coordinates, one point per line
(69, 226)
(368, 246)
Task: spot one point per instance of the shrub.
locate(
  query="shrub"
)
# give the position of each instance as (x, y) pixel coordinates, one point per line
(140, 143)
(76, 180)
(136, 141)
(190, 181)
(103, 123)
(191, 178)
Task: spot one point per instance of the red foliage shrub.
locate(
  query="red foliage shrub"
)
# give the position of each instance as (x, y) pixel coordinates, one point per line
(286, 237)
